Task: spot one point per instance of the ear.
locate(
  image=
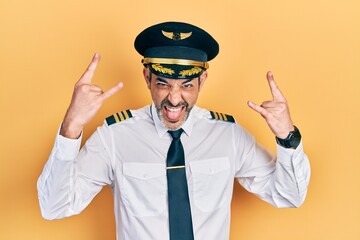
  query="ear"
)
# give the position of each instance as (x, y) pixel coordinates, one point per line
(147, 75)
(203, 78)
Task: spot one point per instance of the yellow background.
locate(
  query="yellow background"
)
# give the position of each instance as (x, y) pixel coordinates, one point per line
(312, 47)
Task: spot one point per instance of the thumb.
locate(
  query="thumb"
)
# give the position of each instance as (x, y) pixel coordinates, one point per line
(257, 108)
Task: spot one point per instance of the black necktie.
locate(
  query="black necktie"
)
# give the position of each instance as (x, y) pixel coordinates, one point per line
(179, 206)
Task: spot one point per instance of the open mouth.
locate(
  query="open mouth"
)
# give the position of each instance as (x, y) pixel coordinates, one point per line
(173, 114)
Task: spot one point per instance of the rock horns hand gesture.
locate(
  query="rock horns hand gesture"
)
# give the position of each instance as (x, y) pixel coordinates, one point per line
(86, 101)
(276, 111)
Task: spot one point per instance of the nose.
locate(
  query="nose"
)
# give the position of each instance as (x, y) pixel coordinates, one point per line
(175, 95)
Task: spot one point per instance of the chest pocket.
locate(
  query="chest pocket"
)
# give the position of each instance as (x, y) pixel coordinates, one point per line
(210, 183)
(144, 188)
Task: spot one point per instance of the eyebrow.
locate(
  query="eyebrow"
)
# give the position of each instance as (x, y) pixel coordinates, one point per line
(164, 81)
(188, 80)
(161, 80)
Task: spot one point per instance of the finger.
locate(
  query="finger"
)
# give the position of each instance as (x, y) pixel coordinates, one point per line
(269, 104)
(275, 91)
(89, 73)
(89, 88)
(258, 109)
(111, 91)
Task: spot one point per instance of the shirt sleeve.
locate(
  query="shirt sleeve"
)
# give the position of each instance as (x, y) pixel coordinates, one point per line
(71, 179)
(281, 181)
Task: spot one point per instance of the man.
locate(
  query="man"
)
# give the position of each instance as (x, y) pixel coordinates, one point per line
(171, 164)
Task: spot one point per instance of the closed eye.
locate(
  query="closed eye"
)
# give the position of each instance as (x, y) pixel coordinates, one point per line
(162, 85)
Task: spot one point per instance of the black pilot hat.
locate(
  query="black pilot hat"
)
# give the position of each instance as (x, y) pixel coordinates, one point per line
(176, 50)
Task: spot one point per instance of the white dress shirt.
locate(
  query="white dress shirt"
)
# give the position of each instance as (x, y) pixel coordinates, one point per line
(130, 156)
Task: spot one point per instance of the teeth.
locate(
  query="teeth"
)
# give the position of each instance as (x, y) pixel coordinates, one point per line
(173, 109)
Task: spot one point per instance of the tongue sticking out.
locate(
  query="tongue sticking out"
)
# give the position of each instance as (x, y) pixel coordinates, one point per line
(173, 114)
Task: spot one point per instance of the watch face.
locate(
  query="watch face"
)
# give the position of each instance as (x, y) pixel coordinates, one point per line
(295, 139)
(295, 142)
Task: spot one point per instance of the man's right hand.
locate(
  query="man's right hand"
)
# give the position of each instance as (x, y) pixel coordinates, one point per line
(85, 103)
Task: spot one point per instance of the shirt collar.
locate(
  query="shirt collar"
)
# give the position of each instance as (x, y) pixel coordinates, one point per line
(162, 129)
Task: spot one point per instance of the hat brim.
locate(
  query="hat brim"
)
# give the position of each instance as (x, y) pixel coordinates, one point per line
(175, 71)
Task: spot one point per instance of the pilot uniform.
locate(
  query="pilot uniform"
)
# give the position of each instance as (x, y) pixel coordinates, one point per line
(129, 153)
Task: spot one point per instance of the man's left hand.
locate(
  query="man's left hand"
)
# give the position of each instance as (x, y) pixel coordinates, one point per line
(276, 111)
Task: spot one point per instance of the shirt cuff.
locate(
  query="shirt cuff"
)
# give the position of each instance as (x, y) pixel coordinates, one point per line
(287, 156)
(67, 148)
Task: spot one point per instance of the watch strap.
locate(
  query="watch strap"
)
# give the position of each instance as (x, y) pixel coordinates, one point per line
(292, 140)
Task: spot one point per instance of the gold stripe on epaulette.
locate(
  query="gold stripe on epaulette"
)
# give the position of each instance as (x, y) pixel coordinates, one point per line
(121, 116)
(126, 115)
(214, 116)
(222, 117)
(225, 118)
(118, 117)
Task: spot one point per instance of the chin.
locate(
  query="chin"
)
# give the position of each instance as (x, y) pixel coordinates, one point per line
(173, 125)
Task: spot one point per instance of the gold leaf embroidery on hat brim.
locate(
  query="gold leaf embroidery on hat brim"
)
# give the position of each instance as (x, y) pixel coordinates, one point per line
(162, 69)
(190, 72)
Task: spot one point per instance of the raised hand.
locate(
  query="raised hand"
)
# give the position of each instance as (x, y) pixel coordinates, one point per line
(86, 101)
(276, 111)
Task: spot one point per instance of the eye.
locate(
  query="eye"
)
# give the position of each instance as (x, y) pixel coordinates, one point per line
(187, 85)
(162, 85)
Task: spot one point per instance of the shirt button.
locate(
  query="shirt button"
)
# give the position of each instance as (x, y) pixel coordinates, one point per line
(212, 171)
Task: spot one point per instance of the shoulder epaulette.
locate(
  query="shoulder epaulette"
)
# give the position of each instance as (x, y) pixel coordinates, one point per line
(118, 117)
(222, 116)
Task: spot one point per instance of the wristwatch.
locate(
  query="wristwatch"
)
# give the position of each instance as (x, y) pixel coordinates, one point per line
(292, 140)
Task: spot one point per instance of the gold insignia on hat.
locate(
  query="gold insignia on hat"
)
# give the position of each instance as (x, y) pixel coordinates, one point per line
(157, 67)
(190, 72)
(176, 36)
